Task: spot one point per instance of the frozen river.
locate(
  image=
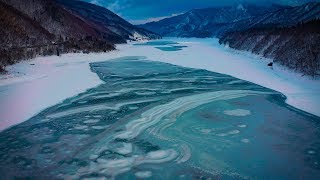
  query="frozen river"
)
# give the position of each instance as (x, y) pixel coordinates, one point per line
(155, 120)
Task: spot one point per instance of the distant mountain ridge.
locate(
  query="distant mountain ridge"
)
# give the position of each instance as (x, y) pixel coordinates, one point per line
(44, 27)
(214, 22)
(207, 22)
(286, 17)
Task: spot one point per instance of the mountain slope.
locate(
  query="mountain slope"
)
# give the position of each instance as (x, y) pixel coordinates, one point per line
(206, 22)
(286, 17)
(45, 27)
(17, 28)
(214, 22)
(296, 47)
(104, 20)
(58, 21)
(290, 36)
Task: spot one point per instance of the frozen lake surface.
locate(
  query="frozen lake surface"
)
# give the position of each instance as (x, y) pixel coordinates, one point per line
(155, 120)
(24, 90)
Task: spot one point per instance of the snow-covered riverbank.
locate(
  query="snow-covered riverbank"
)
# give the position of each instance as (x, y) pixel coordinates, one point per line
(46, 81)
(301, 92)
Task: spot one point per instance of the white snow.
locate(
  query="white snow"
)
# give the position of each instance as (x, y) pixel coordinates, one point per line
(143, 174)
(237, 112)
(53, 79)
(138, 37)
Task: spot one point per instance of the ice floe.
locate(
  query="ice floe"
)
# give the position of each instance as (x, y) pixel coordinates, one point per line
(237, 112)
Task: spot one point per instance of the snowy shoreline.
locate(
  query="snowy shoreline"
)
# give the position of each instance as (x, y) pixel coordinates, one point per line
(46, 81)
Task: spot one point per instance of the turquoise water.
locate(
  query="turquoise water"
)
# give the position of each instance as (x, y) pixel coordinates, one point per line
(163, 45)
(171, 48)
(160, 121)
(157, 43)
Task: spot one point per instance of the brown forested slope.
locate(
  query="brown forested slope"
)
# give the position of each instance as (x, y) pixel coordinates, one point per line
(45, 27)
(297, 47)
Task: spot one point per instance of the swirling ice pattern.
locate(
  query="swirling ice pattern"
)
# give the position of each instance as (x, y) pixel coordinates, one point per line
(177, 107)
(153, 117)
